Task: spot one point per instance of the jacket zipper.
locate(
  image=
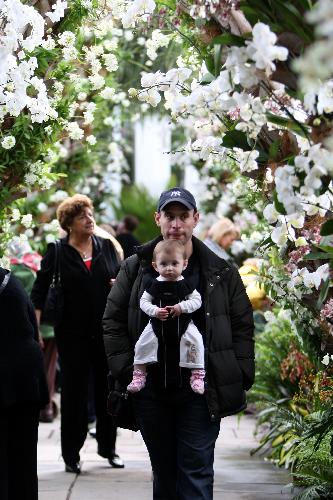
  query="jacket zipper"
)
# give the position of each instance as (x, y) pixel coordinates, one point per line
(165, 364)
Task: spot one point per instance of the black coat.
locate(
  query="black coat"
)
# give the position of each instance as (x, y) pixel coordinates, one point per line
(85, 291)
(22, 376)
(225, 320)
(128, 243)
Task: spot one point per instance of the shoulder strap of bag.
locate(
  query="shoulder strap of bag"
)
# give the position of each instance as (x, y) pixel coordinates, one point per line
(106, 260)
(5, 282)
(56, 271)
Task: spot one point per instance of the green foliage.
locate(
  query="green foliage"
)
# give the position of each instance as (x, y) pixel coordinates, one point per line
(236, 139)
(313, 456)
(279, 207)
(327, 228)
(136, 200)
(229, 39)
(318, 474)
(272, 346)
(289, 123)
(320, 427)
(280, 15)
(74, 17)
(317, 492)
(280, 441)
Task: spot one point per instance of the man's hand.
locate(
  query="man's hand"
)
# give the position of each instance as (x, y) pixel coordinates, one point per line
(174, 311)
(162, 313)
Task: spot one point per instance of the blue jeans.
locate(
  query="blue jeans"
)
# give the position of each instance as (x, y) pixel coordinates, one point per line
(180, 439)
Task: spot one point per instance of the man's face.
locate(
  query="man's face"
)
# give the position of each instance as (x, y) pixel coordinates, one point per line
(177, 222)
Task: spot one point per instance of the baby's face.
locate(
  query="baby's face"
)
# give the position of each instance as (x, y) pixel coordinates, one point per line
(170, 265)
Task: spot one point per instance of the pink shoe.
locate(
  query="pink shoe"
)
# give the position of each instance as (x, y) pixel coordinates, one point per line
(138, 382)
(197, 381)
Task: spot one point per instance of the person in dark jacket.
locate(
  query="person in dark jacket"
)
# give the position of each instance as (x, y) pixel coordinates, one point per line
(88, 265)
(125, 235)
(24, 263)
(180, 427)
(23, 391)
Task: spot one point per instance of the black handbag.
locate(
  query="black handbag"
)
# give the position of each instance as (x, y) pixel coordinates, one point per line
(54, 303)
(120, 406)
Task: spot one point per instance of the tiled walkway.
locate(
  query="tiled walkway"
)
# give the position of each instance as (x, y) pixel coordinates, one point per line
(237, 475)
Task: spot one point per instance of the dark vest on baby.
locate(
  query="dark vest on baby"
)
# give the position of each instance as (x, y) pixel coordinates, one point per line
(167, 372)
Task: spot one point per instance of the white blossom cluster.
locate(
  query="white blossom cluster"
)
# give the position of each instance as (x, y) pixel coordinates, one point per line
(246, 159)
(299, 190)
(297, 195)
(207, 146)
(156, 41)
(326, 359)
(23, 31)
(315, 67)
(26, 219)
(58, 11)
(222, 96)
(8, 142)
(303, 281)
(205, 9)
(38, 175)
(262, 49)
(135, 10)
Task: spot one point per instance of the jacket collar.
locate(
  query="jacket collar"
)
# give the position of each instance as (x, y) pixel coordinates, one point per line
(145, 252)
(96, 240)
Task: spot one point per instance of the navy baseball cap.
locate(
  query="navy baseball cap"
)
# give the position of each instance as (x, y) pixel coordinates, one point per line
(177, 195)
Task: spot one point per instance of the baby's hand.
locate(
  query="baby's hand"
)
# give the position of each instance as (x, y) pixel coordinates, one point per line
(174, 311)
(162, 313)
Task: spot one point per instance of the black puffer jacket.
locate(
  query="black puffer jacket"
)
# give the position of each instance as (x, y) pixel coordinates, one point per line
(22, 376)
(227, 316)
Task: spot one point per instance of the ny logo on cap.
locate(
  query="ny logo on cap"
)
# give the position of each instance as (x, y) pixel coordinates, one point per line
(175, 193)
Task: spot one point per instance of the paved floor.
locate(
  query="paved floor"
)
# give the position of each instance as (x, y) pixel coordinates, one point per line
(237, 475)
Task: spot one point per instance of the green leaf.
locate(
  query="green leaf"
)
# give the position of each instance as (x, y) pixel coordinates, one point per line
(278, 205)
(288, 123)
(323, 293)
(228, 39)
(217, 59)
(207, 78)
(327, 228)
(292, 19)
(236, 139)
(325, 248)
(209, 61)
(274, 149)
(267, 241)
(317, 256)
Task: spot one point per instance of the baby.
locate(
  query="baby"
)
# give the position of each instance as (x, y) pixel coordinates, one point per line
(169, 260)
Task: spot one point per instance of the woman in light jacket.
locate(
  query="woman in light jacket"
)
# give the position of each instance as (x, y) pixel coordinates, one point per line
(220, 237)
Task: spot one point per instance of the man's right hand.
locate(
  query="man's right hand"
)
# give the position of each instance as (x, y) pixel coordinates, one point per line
(162, 313)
